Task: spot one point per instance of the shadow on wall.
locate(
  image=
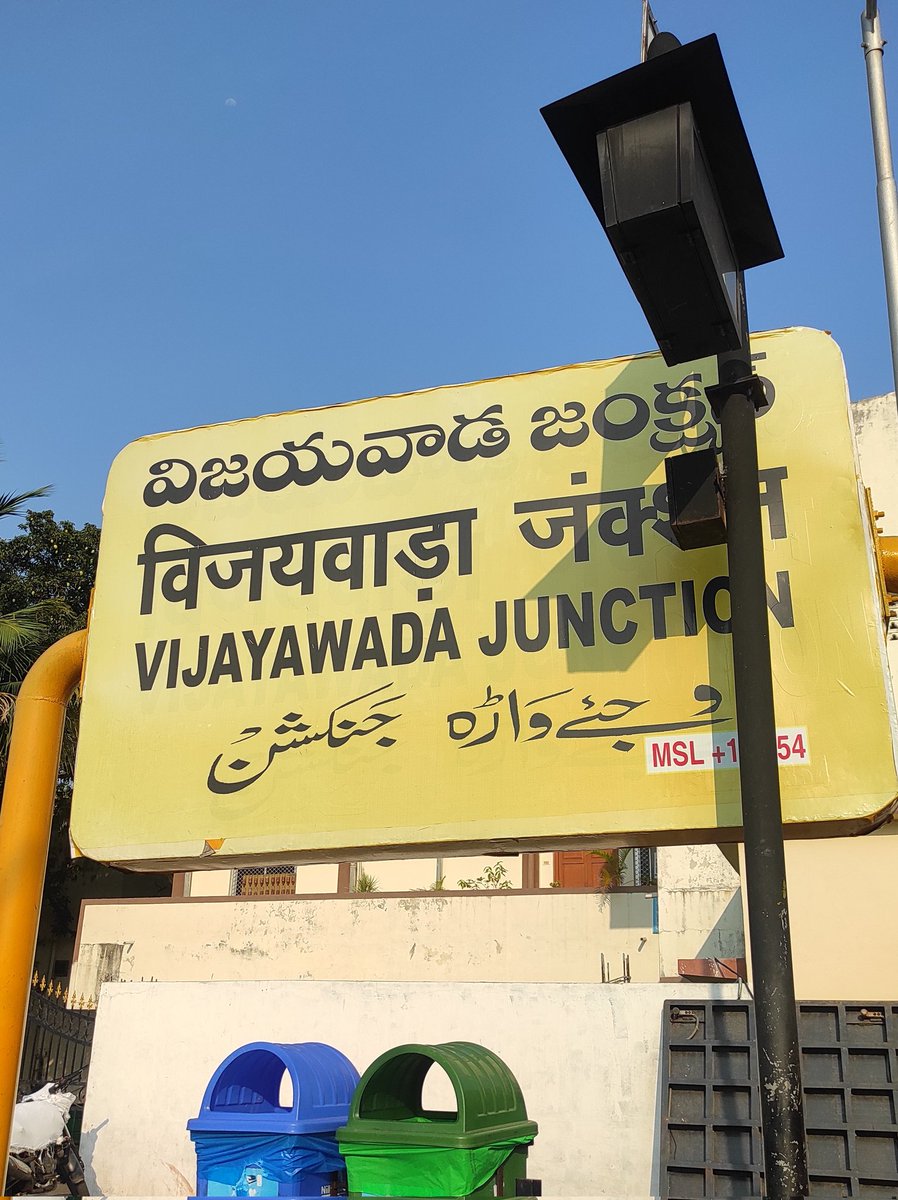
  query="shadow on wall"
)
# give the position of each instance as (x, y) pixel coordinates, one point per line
(659, 1110)
(87, 1149)
(727, 938)
(632, 910)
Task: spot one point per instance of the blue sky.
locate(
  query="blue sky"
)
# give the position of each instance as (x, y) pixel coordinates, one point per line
(211, 209)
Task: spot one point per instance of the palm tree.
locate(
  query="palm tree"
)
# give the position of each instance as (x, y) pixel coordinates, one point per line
(612, 869)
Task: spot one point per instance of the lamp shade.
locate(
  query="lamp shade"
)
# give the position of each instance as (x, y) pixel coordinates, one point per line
(661, 154)
(663, 217)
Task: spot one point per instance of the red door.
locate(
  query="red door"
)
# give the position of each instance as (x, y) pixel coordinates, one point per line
(579, 869)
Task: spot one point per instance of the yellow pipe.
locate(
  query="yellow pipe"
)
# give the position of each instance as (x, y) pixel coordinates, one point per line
(888, 550)
(25, 818)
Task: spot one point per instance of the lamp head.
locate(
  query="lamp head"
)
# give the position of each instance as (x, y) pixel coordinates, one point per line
(661, 154)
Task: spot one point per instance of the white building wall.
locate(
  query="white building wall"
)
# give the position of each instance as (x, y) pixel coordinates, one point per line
(586, 1058)
(699, 907)
(843, 895)
(433, 936)
(876, 434)
(208, 883)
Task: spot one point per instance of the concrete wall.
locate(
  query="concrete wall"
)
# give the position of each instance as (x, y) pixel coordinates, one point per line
(843, 897)
(699, 906)
(876, 435)
(551, 935)
(586, 1058)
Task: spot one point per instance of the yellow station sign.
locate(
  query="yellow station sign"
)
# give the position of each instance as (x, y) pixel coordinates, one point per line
(457, 619)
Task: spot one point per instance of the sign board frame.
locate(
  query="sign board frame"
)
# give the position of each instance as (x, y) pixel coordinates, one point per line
(456, 621)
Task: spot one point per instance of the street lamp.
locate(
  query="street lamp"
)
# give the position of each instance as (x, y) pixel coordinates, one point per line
(662, 156)
(661, 207)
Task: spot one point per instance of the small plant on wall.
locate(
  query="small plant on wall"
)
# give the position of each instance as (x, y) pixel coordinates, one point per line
(493, 878)
(613, 865)
(366, 883)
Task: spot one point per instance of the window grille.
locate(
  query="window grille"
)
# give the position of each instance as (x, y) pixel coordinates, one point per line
(645, 866)
(264, 881)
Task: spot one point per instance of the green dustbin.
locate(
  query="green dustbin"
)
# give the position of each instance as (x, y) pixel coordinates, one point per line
(393, 1147)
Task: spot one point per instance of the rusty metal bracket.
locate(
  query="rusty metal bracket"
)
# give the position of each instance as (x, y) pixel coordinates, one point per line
(746, 385)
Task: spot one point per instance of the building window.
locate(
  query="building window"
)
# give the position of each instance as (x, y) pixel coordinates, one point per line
(645, 866)
(607, 869)
(264, 881)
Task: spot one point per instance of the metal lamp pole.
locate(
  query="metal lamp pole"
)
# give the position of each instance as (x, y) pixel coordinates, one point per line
(662, 156)
(735, 399)
(886, 197)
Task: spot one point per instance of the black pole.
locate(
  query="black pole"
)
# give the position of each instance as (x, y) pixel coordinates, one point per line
(782, 1119)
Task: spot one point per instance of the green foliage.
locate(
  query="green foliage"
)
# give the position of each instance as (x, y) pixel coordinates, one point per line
(28, 626)
(49, 560)
(493, 878)
(366, 883)
(12, 505)
(438, 885)
(23, 627)
(23, 636)
(46, 575)
(613, 865)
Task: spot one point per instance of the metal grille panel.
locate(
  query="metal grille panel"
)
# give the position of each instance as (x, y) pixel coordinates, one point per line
(645, 866)
(264, 881)
(711, 1126)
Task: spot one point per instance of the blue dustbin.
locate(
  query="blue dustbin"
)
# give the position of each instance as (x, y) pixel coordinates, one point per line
(247, 1144)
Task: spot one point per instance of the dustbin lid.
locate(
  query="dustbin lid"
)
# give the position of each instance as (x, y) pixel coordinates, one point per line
(387, 1107)
(244, 1093)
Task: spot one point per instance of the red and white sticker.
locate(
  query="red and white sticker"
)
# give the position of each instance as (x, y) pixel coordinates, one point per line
(718, 751)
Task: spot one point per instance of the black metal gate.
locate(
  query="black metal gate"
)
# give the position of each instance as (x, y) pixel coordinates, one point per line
(58, 1034)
